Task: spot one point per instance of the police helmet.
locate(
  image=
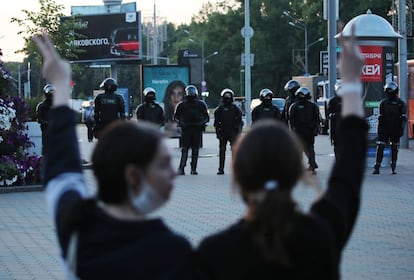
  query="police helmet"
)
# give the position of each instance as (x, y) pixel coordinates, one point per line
(109, 84)
(191, 91)
(303, 93)
(391, 89)
(149, 93)
(265, 94)
(292, 86)
(48, 89)
(227, 93)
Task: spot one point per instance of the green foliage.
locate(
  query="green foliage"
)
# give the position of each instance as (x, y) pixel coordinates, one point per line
(274, 39)
(32, 103)
(48, 19)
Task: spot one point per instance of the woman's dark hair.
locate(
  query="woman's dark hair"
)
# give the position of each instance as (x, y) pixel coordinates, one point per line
(122, 144)
(168, 107)
(269, 152)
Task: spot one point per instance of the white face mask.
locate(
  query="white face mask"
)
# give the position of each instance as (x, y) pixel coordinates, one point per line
(148, 199)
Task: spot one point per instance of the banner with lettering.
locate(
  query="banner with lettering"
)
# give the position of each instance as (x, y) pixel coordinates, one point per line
(372, 70)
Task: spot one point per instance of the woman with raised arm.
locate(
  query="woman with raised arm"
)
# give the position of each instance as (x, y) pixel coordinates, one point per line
(109, 236)
(274, 240)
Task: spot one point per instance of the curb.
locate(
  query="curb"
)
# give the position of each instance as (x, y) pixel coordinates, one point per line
(16, 189)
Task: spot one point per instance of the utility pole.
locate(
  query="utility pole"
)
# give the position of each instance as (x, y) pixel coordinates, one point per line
(247, 33)
(154, 38)
(332, 8)
(403, 68)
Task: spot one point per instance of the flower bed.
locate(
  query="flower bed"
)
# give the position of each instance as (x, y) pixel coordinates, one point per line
(17, 166)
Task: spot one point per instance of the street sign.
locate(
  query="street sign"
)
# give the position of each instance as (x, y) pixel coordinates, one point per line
(247, 32)
(324, 62)
(243, 59)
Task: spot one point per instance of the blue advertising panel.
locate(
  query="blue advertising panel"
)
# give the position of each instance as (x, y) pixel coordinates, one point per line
(125, 94)
(109, 37)
(159, 77)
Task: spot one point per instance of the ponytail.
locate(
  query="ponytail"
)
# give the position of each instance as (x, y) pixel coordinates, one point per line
(272, 225)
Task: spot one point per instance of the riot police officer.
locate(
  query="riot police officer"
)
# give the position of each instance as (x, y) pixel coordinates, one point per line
(391, 122)
(42, 110)
(334, 114)
(266, 109)
(149, 110)
(290, 87)
(304, 121)
(228, 124)
(192, 116)
(109, 106)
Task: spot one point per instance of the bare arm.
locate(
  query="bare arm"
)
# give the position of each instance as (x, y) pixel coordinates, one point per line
(350, 66)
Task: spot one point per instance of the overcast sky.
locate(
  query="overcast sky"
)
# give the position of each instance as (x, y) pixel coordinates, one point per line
(176, 11)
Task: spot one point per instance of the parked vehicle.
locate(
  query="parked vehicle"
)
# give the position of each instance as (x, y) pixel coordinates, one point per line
(278, 102)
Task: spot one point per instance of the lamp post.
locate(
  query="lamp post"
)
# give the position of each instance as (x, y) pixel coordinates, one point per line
(202, 54)
(310, 45)
(203, 58)
(301, 25)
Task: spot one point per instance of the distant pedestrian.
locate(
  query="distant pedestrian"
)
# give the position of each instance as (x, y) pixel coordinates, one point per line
(334, 115)
(192, 116)
(109, 106)
(391, 123)
(290, 87)
(228, 124)
(88, 119)
(266, 109)
(304, 121)
(42, 111)
(150, 110)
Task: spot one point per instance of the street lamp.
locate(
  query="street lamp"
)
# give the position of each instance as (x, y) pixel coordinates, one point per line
(301, 25)
(202, 54)
(203, 59)
(315, 42)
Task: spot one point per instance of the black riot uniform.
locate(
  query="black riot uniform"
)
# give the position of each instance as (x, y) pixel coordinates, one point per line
(334, 114)
(304, 121)
(291, 87)
(42, 111)
(192, 116)
(109, 106)
(149, 110)
(391, 122)
(265, 110)
(228, 124)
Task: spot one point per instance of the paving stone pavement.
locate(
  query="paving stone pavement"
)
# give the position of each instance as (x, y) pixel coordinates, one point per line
(381, 246)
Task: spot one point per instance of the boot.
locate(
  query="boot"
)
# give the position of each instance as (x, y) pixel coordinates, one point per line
(222, 157)
(312, 162)
(194, 159)
(394, 154)
(393, 165)
(376, 169)
(378, 159)
(183, 161)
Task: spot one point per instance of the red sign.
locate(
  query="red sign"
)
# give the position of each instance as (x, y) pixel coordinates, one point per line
(372, 70)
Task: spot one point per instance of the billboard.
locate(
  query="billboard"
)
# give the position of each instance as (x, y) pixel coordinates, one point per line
(109, 37)
(160, 76)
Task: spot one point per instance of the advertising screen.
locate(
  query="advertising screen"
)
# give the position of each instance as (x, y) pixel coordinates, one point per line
(109, 37)
(159, 77)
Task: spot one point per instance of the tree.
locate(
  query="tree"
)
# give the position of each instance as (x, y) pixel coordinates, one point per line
(49, 19)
